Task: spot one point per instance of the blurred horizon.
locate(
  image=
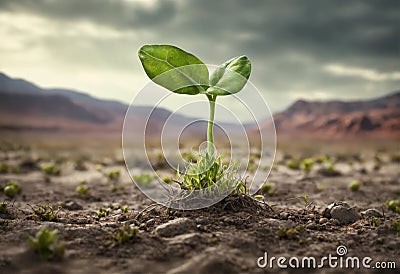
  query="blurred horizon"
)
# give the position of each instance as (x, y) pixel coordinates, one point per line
(313, 50)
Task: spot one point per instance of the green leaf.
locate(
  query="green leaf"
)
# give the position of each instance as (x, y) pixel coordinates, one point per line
(174, 69)
(230, 77)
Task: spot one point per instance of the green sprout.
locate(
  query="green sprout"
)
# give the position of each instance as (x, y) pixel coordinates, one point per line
(293, 164)
(15, 169)
(267, 188)
(393, 205)
(82, 190)
(375, 222)
(125, 233)
(51, 169)
(290, 233)
(143, 179)
(201, 175)
(355, 185)
(306, 165)
(46, 212)
(125, 209)
(4, 168)
(47, 244)
(12, 189)
(114, 174)
(3, 208)
(103, 212)
(188, 75)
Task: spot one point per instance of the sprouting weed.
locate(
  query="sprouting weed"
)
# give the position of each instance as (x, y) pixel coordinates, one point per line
(267, 188)
(206, 172)
(355, 185)
(46, 212)
(143, 179)
(103, 212)
(125, 209)
(4, 168)
(293, 164)
(3, 208)
(290, 233)
(82, 190)
(306, 165)
(51, 169)
(12, 189)
(47, 244)
(114, 174)
(393, 205)
(125, 233)
(375, 222)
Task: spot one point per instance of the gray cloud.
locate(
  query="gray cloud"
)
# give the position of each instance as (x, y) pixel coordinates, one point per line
(289, 42)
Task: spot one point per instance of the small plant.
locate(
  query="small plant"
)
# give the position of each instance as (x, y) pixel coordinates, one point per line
(125, 233)
(293, 164)
(46, 212)
(375, 222)
(143, 179)
(47, 244)
(99, 168)
(393, 205)
(306, 165)
(12, 189)
(82, 190)
(114, 174)
(3, 208)
(207, 172)
(291, 233)
(4, 168)
(51, 169)
(184, 73)
(355, 185)
(267, 188)
(305, 200)
(322, 159)
(103, 212)
(125, 209)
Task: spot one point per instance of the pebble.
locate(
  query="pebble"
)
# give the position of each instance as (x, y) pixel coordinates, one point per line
(372, 213)
(341, 212)
(175, 227)
(323, 220)
(344, 215)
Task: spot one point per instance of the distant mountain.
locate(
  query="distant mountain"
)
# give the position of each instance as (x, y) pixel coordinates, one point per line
(25, 106)
(379, 117)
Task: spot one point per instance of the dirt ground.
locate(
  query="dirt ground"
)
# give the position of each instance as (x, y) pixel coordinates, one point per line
(228, 237)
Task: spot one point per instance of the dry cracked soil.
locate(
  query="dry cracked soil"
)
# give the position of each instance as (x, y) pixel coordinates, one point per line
(302, 214)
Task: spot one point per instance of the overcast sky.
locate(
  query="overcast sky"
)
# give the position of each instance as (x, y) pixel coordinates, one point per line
(299, 49)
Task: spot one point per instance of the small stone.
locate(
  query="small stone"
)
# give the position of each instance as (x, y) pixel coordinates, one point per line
(175, 227)
(150, 222)
(72, 205)
(344, 215)
(372, 213)
(283, 215)
(323, 220)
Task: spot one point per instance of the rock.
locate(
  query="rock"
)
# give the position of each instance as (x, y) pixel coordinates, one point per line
(283, 215)
(323, 220)
(341, 212)
(175, 227)
(344, 215)
(372, 213)
(72, 205)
